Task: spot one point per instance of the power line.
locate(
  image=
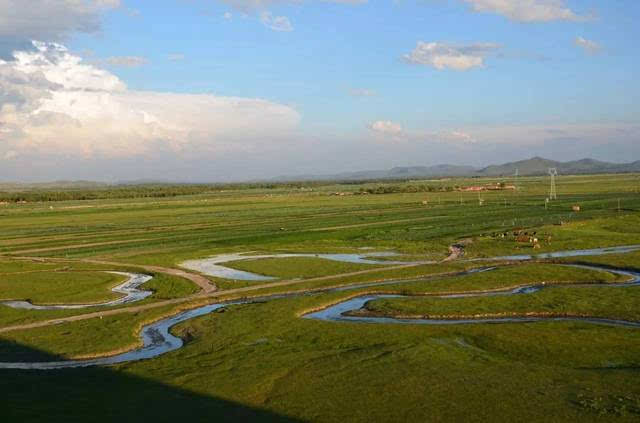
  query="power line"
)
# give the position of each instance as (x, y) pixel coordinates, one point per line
(553, 194)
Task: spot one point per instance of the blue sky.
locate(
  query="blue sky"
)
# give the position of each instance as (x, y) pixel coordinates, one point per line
(413, 82)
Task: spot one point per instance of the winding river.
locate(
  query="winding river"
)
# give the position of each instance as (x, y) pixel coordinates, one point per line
(129, 289)
(212, 266)
(340, 312)
(157, 339)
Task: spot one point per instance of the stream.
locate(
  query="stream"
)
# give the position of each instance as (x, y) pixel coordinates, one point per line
(129, 288)
(340, 312)
(157, 339)
(211, 266)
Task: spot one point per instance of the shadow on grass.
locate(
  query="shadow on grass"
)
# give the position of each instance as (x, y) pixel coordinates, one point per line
(103, 394)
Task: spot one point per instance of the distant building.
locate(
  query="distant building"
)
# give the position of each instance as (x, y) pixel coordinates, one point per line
(489, 187)
(473, 189)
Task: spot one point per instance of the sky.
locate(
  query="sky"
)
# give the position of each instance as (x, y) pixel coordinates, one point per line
(231, 90)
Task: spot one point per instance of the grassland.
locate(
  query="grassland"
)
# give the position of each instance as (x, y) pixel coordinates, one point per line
(511, 276)
(297, 267)
(263, 362)
(608, 303)
(61, 287)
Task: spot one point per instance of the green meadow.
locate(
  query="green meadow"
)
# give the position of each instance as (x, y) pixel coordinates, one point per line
(264, 361)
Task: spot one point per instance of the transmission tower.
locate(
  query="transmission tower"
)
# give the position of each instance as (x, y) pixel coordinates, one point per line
(553, 172)
(515, 180)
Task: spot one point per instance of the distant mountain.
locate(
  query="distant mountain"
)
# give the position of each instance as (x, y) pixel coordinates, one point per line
(410, 172)
(540, 166)
(66, 185)
(530, 167)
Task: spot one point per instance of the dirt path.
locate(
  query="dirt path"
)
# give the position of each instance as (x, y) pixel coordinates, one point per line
(204, 295)
(205, 284)
(209, 290)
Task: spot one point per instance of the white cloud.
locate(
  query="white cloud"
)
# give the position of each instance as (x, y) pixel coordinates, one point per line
(362, 92)
(388, 130)
(386, 127)
(521, 136)
(589, 46)
(10, 155)
(527, 10)
(456, 136)
(276, 23)
(55, 63)
(52, 103)
(125, 61)
(394, 131)
(24, 20)
(451, 56)
(247, 5)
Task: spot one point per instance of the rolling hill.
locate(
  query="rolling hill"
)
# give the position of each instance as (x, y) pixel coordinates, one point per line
(530, 167)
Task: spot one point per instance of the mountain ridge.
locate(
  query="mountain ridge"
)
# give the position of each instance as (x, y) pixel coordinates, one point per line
(534, 166)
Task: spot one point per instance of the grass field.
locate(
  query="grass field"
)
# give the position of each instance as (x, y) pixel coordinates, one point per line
(610, 303)
(61, 287)
(297, 267)
(264, 362)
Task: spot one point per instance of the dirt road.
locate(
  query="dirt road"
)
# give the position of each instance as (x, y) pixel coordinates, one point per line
(203, 295)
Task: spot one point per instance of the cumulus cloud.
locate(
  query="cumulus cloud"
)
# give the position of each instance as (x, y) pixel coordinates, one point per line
(387, 130)
(527, 10)
(53, 103)
(588, 46)
(386, 127)
(276, 23)
(22, 21)
(451, 56)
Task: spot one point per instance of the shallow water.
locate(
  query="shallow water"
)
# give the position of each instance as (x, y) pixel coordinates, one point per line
(155, 337)
(337, 312)
(129, 288)
(157, 340)
(571, 253)
(211, 266)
